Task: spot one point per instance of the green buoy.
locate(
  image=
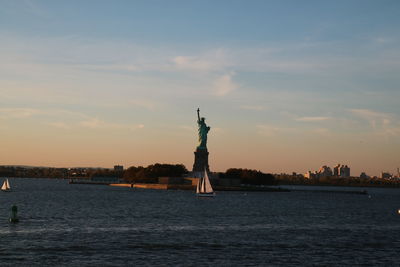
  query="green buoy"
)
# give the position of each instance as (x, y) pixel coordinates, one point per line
(14, 216)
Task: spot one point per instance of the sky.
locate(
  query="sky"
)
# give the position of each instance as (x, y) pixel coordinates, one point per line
(286, 86)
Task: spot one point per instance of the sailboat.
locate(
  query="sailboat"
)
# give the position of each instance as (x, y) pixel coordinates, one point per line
(6, 186)
(204, 188)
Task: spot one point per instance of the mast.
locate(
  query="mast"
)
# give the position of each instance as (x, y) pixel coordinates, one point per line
(198, 188)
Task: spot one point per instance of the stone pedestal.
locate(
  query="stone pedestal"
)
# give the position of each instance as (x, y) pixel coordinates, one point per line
(201, 160)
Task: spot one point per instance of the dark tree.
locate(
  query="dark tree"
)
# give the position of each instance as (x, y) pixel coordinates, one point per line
(252, 177)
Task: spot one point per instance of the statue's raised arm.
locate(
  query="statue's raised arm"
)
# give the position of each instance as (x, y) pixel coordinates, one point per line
(198, 114)
(203, 131)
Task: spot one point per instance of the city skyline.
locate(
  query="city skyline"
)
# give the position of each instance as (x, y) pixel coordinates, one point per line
(285, 86)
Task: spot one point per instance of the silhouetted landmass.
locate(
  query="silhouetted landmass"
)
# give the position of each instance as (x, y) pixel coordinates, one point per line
(286, 179)
(151, 173)
(33, 172)
(63, 173)
(251, 177)
(91, 173)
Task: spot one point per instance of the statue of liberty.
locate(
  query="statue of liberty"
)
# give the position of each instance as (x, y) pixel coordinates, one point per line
(203, 131)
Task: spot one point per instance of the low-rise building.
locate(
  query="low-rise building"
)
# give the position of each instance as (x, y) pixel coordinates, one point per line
(386, 175)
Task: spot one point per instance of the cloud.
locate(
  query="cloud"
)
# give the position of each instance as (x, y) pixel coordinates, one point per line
(143, 103)
(375, 119)
(256, 108)
(60, 125)
(312, 119)
(192, 63)
(224, 84)
(321, 131)
(7, 113)
(93, 123)
(382, 40)
(96, 123)
(211, 60)
(272, 130)
(382, 123)
(64, 119)
(188, 128)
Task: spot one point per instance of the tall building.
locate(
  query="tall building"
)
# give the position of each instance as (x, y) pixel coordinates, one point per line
(344, 171)
(325, 171)
(336, 170)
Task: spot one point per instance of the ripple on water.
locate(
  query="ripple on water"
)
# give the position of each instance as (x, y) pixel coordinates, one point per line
(73, 225)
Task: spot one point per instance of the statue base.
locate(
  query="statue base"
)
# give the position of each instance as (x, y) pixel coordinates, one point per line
(201, 160)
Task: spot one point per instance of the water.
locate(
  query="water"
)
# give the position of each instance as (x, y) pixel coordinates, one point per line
(91, 225)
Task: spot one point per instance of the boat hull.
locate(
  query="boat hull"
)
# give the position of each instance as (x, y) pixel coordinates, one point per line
(205, 194)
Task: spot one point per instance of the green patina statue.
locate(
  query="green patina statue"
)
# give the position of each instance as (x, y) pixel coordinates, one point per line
(203, 131)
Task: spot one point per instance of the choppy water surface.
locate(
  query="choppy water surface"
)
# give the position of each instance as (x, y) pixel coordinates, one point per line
(91, 225)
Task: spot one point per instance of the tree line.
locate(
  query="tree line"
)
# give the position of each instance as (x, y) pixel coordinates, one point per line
(251, 177)
(134, 174)
(151, 173)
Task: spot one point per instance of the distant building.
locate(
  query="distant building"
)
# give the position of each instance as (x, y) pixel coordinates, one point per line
(310, 175)
(344, 171)
(363, 175)
(336, 170)
(386, 175)
(325, 171)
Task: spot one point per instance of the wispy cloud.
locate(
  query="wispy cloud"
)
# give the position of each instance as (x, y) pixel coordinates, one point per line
(63, 119)
(253, 107)
(144, 103)
(59, 125)
(224, 84)
(321, 131)
(382, 123)
(273, 130)
(375, 119)
(192, 63)
(23, 113)
(312, 119)
(6, 113)
(211, 60)
(382, 40)
(188, 128)
(96, 123)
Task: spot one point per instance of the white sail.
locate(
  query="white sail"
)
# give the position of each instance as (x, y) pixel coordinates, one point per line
(207, 185)
(204, 187)
(5, 186)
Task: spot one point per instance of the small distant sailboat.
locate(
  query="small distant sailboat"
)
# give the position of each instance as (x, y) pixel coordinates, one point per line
(6, 186)
(204, 188)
